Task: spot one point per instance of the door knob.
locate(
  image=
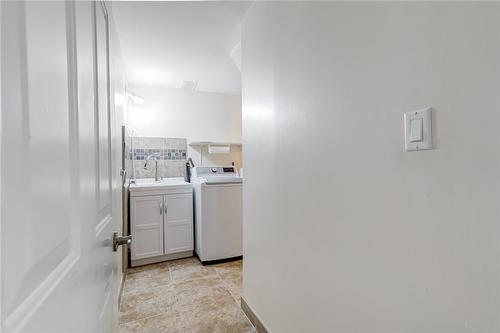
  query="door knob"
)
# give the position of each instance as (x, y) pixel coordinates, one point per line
(120, 240)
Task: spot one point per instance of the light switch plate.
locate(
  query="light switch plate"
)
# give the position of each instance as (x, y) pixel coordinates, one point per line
(426, 142)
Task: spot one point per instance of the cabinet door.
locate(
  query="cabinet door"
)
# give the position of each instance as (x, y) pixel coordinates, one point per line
(178, 223)
(147, 226)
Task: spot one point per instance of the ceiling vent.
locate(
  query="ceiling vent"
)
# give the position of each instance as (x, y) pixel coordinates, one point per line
(190, 85)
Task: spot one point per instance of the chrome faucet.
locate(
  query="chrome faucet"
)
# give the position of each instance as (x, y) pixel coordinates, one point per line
(156, 157)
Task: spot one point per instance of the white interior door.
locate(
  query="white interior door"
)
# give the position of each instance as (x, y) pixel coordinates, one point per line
(57, 267)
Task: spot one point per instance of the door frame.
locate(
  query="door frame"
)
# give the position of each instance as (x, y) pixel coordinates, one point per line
(125, 209)
(1, 135)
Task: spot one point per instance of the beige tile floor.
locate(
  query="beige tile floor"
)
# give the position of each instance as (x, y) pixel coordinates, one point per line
(182, 296)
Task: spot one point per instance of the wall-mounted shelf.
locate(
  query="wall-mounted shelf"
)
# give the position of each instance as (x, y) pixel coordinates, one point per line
(217, 146)
(213, 143)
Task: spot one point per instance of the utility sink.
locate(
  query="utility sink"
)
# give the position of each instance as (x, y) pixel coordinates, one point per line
(142, 184)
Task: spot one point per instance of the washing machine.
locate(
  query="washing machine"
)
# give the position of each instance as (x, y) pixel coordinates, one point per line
(218, 213)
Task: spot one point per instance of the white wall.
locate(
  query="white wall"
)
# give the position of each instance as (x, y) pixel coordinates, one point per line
(343, 230)
(197, 116)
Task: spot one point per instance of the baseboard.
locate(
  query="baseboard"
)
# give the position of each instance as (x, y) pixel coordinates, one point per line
(122, 283)
(254, 319)
(153, 260)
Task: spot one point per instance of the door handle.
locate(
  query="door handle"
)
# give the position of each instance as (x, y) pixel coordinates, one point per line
(123, 174)
(120, 240)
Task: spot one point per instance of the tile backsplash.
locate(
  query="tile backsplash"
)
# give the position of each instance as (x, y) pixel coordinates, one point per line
(159, 154)
(171, 154)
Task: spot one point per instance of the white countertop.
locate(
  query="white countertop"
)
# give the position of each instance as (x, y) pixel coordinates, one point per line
(143, 184)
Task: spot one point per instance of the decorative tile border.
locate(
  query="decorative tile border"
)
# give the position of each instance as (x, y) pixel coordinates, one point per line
(160, 154)
(171, 154)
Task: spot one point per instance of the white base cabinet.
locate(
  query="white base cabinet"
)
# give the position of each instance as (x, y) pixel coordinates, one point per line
(178, 223)
(161, 224)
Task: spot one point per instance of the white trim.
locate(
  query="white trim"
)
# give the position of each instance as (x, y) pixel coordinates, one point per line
(1, 302)
(73, 116)
(120, 290)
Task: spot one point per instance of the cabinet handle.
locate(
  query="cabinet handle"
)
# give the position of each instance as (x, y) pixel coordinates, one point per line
(161, 207)
(165, 209)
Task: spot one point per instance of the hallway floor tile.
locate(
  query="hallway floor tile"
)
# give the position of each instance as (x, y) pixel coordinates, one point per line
(182, 296)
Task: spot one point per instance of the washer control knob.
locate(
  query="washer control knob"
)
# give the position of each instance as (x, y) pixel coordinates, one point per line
(214, 170)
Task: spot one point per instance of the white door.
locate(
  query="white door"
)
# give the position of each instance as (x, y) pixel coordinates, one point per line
(178, 223)
(58, 270)
(146, 218)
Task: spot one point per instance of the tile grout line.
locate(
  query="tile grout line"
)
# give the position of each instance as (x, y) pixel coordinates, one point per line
(227, 287)
(156, 287)
(179, 316)
(144, 301)
(238, 305)
(195, 278)
(133, 321)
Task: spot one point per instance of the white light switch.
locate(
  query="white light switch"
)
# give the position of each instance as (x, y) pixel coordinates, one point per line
(418, 130)
(416, 133)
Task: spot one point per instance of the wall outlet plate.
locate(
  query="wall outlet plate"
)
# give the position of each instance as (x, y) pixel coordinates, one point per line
(426, 142)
